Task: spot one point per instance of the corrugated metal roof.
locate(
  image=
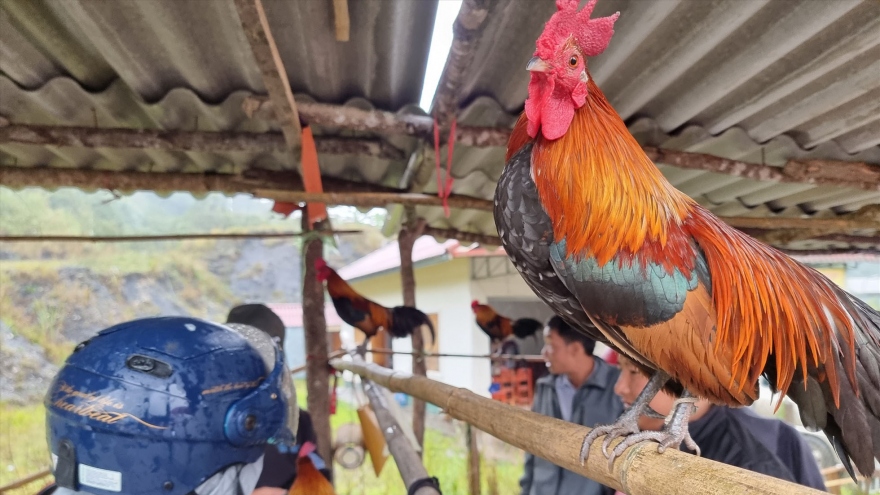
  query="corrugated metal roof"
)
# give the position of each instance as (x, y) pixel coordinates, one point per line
(757, 80)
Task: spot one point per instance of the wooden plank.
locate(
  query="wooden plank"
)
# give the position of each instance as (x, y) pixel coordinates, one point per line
(256, 30)
(341, 20)
(640, 471)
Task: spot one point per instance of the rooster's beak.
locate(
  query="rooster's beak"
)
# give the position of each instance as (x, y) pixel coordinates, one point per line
(537, 64)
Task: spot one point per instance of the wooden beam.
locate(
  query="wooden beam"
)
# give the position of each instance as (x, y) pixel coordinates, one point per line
(850, 239)
(315, 330)
(169, 237)
(409, 465)
(466, 33)
(841, 224)
(866, 218)
(377, 199)
(207, 142)
(342, 21)
(126, 181)
(640, 471)
(857, 175)
(406, 238)
(378, 121)
(464, 237)
(259, 35)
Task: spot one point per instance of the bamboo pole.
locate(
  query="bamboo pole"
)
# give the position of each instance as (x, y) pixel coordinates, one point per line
(409, 464)
(641, 470)
(168, 237)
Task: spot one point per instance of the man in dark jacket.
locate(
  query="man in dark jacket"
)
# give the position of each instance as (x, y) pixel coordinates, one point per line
(279, 468)
(789, 446)
(579, 389)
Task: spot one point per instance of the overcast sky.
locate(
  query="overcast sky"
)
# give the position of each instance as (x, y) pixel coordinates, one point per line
(441, 40)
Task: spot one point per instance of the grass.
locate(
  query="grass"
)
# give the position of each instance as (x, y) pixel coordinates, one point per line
(22, 445)
(24, 452)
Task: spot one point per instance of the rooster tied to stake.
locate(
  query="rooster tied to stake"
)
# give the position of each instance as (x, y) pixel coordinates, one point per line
(309, 481)
(497, 327)
(588, 218)
(366, 315)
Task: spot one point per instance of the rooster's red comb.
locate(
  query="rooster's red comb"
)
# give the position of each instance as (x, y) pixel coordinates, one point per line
(591, 35)
(320, 263)
(474, 304)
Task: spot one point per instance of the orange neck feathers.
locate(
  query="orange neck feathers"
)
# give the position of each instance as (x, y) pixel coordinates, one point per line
(602, 193)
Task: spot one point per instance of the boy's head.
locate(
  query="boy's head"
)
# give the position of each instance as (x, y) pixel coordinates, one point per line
(565, 349)
(632, 381)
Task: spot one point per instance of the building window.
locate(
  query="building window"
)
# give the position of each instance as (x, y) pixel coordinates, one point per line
(432, 363)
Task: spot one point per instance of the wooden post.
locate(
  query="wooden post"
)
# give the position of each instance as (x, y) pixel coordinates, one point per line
(405, 456)
(315, 329)
(406, 239)
(473, 460)
(641, 470)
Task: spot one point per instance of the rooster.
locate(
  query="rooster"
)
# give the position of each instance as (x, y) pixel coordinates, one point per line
(497, 327)
(590, 221)
(366, 315)
(309, 481)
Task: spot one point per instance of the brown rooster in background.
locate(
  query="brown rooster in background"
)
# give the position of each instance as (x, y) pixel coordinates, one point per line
(309, 481)
(591, 222)
(366, 315)
(497, 327)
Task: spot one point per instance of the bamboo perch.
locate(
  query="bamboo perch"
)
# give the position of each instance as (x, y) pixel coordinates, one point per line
(409, 464)
(640, 471)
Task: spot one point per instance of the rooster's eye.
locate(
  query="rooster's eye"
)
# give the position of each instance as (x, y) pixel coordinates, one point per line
(573, 61)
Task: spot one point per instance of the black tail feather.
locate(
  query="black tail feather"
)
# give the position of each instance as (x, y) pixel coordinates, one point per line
(406, 320)
(853, 428)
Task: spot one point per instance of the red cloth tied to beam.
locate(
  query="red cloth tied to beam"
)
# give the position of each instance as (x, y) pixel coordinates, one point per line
(312, 176)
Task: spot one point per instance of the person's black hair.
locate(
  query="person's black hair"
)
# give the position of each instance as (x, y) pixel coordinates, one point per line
(259, 316)
(569, 334)
(525, 327)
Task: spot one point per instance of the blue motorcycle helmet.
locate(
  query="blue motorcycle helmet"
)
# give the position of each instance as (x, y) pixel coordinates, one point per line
(167, 405)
